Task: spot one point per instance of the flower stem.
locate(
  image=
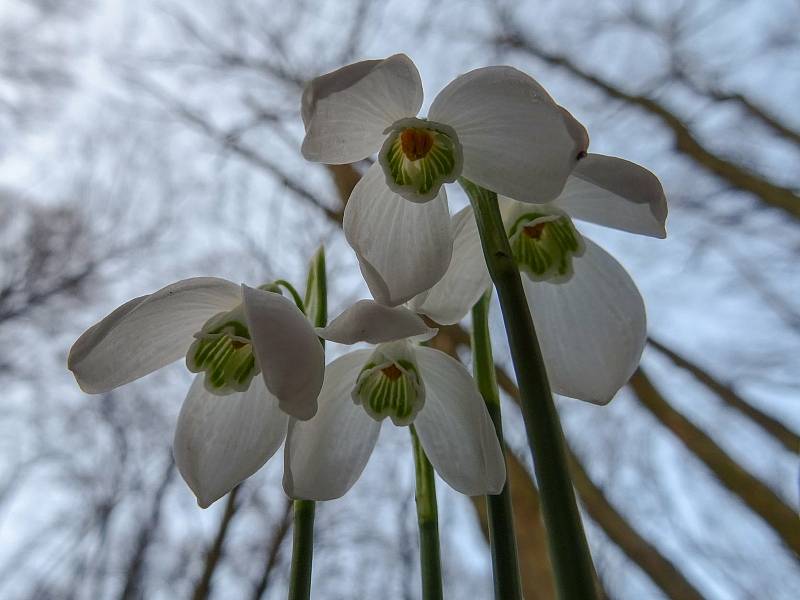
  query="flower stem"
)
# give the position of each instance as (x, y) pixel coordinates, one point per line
(428, 521)
(505, 566)
(315, 307)
(302, 550)
(569, 552)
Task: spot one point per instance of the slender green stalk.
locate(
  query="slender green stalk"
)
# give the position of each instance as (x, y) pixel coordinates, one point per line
(316, 300)
(503, 541)
(316, 309)
(569, 551)
(302, 550)
(428, 521)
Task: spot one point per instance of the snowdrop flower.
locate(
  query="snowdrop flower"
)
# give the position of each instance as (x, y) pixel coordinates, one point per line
(495, 126)
(232, 420)
(588, 313)
(398, 379)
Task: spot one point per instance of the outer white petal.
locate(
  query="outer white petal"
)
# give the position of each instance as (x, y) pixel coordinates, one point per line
(616, 193)
(592, 329)
(221, 440)
(368, 321)
(148, 332)
(286, 347)
(346, 112)
(455, 429)
(325, 456)
(466, 278)
(403, 248)
(515, 140)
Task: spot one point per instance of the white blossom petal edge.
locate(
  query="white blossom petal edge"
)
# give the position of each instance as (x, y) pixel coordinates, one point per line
(368, 321)
(408, 384)
(220, 442)
(233, 420)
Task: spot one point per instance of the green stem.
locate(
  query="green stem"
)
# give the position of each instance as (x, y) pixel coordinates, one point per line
(428, 521)
(302, 550)
(569, 552)
(315, 307)
(503, 541)
(316, 300)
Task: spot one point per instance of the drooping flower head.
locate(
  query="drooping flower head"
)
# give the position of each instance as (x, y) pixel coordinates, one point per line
(495, 126)
(257, 359)
(588, 313)
(399, 381)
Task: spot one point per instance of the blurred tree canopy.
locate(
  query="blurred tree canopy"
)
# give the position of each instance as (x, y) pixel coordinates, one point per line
(145, 142)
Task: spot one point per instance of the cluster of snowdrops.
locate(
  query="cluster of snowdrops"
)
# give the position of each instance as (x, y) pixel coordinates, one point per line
(261, 379)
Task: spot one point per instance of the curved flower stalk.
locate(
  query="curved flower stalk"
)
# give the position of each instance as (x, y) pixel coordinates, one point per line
(587, 311)
(398, 379)
(496, 126)
(257, 358)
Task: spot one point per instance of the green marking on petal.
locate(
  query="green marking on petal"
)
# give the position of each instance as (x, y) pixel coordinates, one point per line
(544, 243)
(390, 388)
(223, 350)
(418, 157)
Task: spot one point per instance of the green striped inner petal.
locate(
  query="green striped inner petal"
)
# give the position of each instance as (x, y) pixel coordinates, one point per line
(418, 157)
(390, 389)
(222, 349)
(544, 245)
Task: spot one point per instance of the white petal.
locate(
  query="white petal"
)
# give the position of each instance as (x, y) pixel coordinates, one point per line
(466, 278)
(403, 248)
(221, 440)
(616, 193)
(148, 332)
(592, 329)
(325, 456)
(455, 429)
(346, 112)
(368, 321)
(515, 140)
(576, 130)
(287, 349)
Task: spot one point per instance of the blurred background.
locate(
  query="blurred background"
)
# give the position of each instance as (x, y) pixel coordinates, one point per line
(145, 142)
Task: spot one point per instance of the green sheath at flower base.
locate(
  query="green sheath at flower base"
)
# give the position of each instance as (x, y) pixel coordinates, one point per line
(418, 157)
(223, 350)
(544, 244)
(388, 387)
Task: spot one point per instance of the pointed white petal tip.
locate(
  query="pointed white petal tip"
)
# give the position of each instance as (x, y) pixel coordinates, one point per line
(287, 350)
(147, 333)
(368, 321)
(346, 112)
(455, 429)
(403, 248)
(616, 193)
(219, 442)
(324, 457)
(592, 329)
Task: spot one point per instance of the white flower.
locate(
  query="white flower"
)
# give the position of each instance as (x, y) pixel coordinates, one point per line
(588, 313)
(408, 383)
(496, 126)
(232, 421)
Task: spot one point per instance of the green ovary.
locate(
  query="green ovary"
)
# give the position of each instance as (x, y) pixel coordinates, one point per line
(390, 390)
(544, 246)
(222, 349)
